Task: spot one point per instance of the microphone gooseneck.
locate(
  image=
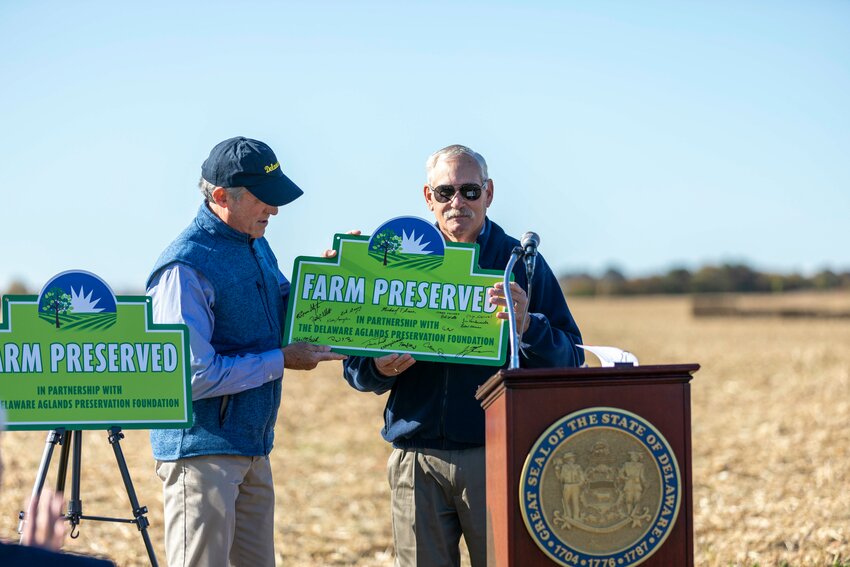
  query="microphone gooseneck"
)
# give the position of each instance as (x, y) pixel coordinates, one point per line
(527, 251)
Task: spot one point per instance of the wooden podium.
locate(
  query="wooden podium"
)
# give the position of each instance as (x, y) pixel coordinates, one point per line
(522, 406)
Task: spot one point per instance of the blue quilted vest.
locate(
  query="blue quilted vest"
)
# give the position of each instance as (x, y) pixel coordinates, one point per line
(249, 312)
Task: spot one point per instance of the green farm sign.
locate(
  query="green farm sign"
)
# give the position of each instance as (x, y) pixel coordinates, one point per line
(78, 357)
(404, 290)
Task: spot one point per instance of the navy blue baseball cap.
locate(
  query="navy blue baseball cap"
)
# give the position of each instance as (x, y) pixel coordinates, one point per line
(243, 162)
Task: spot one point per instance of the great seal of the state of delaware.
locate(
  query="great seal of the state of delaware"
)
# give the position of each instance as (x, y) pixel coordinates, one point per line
(600, 488)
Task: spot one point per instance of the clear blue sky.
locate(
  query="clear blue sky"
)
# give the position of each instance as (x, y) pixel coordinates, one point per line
(637, 134)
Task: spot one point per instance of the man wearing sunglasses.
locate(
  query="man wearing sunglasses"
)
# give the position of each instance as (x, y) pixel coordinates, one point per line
(436, 426)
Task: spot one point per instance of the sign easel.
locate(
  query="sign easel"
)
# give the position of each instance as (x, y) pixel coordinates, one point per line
(77, 357)
(74, 513)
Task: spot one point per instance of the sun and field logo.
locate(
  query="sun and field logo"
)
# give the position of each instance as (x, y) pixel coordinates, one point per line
(408, 242)
(77, 300)
(601, 486)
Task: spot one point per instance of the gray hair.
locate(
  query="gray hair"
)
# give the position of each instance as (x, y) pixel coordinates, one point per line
(207, 189)
(453, 151)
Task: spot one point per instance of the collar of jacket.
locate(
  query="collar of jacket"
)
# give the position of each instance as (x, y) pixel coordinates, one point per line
(482, 236)
(209, 222)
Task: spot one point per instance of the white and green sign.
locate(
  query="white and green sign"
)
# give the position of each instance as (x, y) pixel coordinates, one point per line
(78, 357)
(404, 290)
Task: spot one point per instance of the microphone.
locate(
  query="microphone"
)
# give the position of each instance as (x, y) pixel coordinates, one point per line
(529, 242)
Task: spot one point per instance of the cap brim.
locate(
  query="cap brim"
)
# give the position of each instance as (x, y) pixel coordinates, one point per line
(278, 191)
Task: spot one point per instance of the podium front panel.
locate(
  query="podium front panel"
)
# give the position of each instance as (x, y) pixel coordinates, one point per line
(521, 405)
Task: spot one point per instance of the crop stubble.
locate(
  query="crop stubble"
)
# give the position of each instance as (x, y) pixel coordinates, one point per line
(771, 448)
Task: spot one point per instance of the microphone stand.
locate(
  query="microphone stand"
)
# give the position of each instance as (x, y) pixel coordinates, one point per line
(516, 254)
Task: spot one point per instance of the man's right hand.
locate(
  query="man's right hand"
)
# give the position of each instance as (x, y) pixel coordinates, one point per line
(306, 356)
(394, 364)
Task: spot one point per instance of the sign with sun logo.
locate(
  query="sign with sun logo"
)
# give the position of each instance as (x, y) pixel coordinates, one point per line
(78, 356)
(402, 290)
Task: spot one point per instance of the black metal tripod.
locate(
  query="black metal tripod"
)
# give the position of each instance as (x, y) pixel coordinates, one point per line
(75, 504)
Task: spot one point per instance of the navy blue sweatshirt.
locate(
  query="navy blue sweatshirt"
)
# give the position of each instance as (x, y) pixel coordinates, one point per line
(432, 404)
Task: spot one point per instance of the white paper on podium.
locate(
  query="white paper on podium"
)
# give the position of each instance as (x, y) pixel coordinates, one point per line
(608, 355)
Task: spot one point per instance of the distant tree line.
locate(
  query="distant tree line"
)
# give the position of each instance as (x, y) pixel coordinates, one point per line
(726, 278)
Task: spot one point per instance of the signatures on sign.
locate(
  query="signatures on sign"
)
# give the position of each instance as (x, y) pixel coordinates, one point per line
(315, 312)
(345, 315)
(471, 349)
(398, 310)
(451, 321)
(439, 336)
(438, 351)
(378, 342)
(476, 320)
(387, 343)
(383, 343)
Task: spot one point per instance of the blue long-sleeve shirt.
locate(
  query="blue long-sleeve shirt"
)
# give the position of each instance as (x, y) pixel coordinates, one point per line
(180, 294)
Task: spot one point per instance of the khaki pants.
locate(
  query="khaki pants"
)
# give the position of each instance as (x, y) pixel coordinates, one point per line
(219, 511)
(438, 495)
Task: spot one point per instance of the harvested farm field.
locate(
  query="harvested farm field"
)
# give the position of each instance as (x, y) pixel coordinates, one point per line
(771, 447)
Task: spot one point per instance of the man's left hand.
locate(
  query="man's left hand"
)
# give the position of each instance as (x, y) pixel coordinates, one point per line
(520, 299)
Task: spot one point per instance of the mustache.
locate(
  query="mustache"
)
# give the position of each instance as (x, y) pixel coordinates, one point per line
(458, 213)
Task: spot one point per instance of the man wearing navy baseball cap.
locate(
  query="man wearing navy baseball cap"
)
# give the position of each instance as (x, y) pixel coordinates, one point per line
(243, 162)
(221, 279)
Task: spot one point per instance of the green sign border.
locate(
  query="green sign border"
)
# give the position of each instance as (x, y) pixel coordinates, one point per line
(5, 326)
(339, 241)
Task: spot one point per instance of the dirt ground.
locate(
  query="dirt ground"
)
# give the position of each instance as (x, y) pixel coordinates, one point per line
(771, 448)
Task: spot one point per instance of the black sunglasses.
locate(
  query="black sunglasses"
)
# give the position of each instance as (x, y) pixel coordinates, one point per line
(445, 193)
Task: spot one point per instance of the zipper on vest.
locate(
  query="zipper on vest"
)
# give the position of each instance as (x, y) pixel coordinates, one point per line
(263, 296)
(222, 409)
(265, 305)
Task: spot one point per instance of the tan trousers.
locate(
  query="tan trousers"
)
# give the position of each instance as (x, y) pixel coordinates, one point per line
(219, 511)
(438, 495)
